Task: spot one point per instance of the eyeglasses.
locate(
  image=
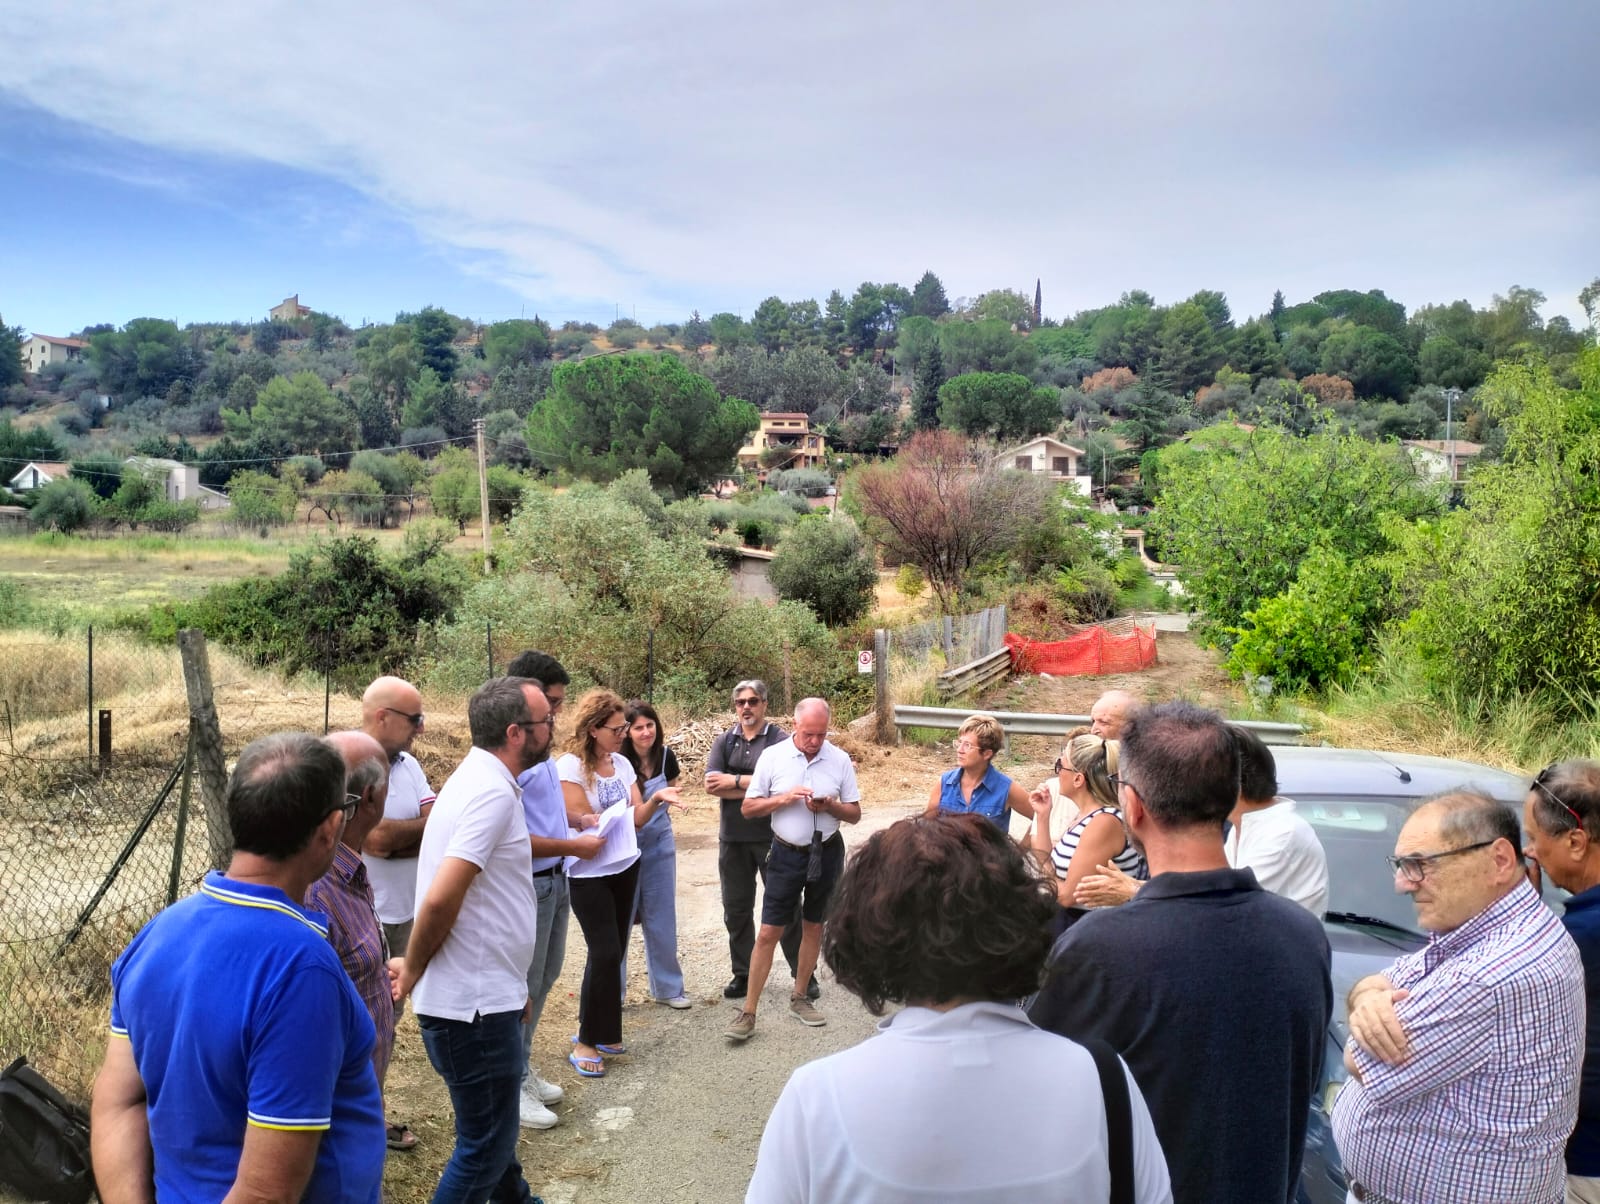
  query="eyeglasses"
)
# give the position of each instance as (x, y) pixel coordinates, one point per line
(967, 745)
(615, 729)
(548, 721)
(416, 720)
(1117, 782)
(1417, 866)
(1555, 798)
(748, 702)
(349, 806)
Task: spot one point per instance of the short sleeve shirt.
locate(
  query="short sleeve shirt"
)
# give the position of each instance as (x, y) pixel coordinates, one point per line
(732, 753)
(601, 792)
(394, 879)
(783, 767)
(543, 809)
(482, 966)
(239, 1013)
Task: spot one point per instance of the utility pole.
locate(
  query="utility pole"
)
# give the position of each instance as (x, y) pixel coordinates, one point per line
(1450, 396)
(483, 492)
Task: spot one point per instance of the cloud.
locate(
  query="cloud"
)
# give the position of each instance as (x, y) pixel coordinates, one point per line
(713, 152)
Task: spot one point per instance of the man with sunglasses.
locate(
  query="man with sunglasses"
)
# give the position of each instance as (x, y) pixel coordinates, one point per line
(1464, 1057)
(391, 713)
(743, 842)
(1559, 816)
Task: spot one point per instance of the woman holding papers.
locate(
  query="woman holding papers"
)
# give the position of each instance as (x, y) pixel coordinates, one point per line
(596, 780)
(656, 905)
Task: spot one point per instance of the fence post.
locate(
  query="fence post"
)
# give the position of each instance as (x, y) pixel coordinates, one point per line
(788, 680)
(181, 836)
(885, 731)
(947, 634)
(488, 645)
(89, 710)
(207, 735)
(105, 740)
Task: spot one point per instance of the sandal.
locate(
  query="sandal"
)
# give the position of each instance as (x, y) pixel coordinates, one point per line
(597, 1067)
(400, 1137)
(610, 1051)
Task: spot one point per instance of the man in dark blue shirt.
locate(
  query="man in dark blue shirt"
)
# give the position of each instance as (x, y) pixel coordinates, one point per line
(1561, 821)
(1216, 993)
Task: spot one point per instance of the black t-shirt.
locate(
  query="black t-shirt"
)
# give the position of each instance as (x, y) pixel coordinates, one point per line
(732, 753)
(1217, 995)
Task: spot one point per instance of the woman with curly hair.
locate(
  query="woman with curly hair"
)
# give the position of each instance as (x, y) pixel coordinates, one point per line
(656, 905)
(595, 777)
(944, 915)
(1098, 836)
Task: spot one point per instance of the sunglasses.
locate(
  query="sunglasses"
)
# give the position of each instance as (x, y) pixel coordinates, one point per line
(1556, 799)
(1416, 867)
(747, 702)
(416, 720)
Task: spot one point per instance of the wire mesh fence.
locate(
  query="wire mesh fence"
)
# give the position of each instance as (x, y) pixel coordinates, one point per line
(951, 641)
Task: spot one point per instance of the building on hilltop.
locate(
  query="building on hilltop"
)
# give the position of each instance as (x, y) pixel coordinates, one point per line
(790, 440)
(289, 310)
(36, 474)
(42, 350)
(1049, 457)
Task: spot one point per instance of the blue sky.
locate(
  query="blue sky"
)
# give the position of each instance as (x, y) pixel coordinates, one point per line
(202, 162)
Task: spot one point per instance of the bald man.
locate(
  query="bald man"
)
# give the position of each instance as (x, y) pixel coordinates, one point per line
(344, 895)
(1110, 712)
(391, 713)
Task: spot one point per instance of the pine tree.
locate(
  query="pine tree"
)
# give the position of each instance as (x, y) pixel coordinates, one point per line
(1038, 303)
(1278, 308)
(925, 397)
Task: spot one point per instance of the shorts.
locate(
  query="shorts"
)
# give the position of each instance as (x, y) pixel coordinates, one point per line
(786, 884)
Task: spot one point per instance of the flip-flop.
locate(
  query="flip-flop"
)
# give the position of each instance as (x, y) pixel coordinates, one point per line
(400, 1137)
(610, 1051)
(578, 1064)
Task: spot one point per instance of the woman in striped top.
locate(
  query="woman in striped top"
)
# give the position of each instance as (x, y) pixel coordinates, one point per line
(1084, 772)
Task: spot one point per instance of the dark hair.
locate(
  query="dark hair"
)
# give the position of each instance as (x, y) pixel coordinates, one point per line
(648, 765)
(938, 908)
(1576, 784)
(1184, 763)
(1471, 816)
(282, 787)
(540, 666)
(1258, 772)
(497, 704)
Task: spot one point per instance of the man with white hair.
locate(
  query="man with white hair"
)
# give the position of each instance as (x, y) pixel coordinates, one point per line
(1110, 712)
(391, 713)
(808, 787)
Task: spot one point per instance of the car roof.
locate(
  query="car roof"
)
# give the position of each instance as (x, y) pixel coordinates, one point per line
(1305, 771)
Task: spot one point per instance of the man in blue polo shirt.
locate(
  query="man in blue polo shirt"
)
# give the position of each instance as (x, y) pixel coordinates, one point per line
(240, 1058)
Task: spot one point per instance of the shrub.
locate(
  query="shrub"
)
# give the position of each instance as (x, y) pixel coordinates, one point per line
(64, 505)
(1315, 634)
(910, 582)
(807, 482)
(827, 565)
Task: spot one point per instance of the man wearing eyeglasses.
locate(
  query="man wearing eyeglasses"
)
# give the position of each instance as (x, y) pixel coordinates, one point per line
(1465, 1056)
(240, 1058)
(744, 841)
(1561, 810)
(474, 939)
(391, 713)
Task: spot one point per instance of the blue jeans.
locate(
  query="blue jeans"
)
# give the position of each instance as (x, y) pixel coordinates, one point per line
(549, 951)
(657, 903)
(477, 1061)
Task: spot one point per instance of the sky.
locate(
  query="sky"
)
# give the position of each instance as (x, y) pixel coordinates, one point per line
(202, 162)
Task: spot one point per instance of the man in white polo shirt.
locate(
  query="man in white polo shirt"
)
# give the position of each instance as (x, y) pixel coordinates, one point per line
(391, 713)
(474, 939)
(808, 787)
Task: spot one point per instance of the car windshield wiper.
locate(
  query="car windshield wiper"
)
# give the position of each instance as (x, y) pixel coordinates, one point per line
(1350, 917)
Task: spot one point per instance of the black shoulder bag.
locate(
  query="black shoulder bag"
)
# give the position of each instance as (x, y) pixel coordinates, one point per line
(44, 1139)
(1119, 1119)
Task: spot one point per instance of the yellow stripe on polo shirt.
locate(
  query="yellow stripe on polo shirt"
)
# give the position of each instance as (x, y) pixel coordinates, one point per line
(244, 900)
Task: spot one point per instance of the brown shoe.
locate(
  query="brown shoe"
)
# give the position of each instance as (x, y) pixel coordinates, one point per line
(806, 1012)
(740, 1028)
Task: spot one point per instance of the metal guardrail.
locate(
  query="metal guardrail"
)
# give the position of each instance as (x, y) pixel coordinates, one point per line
(975, 675)
(1025, 723)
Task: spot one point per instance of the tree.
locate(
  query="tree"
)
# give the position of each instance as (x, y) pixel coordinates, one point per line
(611, 413)
(373, 414)
(142, 359)
(434, 333)
(998, 405)
(101, 471)
(927, 297)
(1371, 309)
(1253, 349)
(1377, 364)
(454, 488)
(1004, 305)
(947, 506)
(986, 346)
(925, 395)
(770, 323)
(303, 413)
(1443, 361)
(1588, 297)
(873, 314)
(1187, 351)
(1275, 315)
(728, 331)
(11, 340)
(829, 567)
(696, 332)
(64, 505)
(388, 355)
(258, 500)
(516, 342)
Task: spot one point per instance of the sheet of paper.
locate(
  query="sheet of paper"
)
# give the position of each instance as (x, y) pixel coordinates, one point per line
(620, 848)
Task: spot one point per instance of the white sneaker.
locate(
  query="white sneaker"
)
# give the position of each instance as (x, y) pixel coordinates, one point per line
(681, 1002)
(532, 1114)
(548, 1092)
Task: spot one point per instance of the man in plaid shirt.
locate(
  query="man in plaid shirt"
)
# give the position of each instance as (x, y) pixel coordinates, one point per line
(1465, 1057)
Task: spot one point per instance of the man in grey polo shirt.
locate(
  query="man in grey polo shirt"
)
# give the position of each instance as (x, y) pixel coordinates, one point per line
(808, 787)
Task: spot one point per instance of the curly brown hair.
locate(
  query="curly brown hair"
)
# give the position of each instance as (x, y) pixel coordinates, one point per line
(937, 908)
(592, 711)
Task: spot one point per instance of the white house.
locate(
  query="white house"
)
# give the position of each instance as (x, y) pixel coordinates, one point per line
(1052, 458)
(36, 474)
(42, 350)
(1437, 458)
(182, 481)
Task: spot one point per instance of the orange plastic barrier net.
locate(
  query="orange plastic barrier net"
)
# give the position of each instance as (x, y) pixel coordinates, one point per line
(1090, 652)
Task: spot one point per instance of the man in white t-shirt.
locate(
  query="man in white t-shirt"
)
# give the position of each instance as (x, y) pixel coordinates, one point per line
(391, 713)
(808, 787)
(1267, 836)
(467, 964)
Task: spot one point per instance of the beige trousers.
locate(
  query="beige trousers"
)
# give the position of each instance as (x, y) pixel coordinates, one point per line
(1581, 1190)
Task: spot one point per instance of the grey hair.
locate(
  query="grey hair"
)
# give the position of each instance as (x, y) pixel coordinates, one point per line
(1470, 816)
(367, 774)
(1576, 784)
(497, 704)
(755, 685)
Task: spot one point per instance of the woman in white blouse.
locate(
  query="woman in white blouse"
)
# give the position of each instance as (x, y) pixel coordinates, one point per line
(944, 915)
(595, 777)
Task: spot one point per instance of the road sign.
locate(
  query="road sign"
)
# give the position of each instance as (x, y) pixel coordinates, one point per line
(864, 662)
